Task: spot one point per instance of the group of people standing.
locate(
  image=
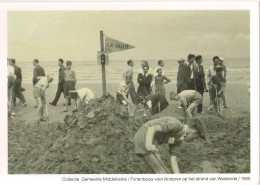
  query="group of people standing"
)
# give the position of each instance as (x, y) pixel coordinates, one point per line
(191, 82)
(150, 87)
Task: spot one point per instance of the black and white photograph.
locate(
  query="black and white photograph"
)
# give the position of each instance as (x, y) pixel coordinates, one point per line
(131, 91)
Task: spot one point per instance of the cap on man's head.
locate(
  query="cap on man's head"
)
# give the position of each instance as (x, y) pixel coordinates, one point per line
(181, 60)
(198, 57)
(36, 60)
(221, 58)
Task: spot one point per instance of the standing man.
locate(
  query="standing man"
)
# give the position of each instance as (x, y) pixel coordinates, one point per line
(38, 71)
(128, 74)
(224, 97)
(191, 66)
(183, 76)
(199, 77)
(11, 82)
(60, 84)
(212, 72)
(18, 84)
(70, 83)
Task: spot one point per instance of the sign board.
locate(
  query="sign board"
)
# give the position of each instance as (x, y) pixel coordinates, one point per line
(102, 57)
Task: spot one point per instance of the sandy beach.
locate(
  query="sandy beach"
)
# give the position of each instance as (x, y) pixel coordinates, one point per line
(237, 97)
(73, 143)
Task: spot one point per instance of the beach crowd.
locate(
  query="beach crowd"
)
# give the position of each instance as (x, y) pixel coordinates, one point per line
(150, 97)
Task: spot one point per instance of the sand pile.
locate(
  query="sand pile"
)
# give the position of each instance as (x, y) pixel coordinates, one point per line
(99, 139)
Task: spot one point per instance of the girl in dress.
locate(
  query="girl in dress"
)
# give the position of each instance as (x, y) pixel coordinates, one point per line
(160, 80)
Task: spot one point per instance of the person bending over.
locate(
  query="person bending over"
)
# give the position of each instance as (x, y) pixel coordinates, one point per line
(83, 95)
(39, 94)
(190, 99)
(159, 131)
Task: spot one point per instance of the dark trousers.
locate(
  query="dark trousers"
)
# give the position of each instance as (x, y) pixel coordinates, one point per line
(192, 85)
(201, 91)
(160, 101)
(58, 93)
(17, 93)
(132, 93)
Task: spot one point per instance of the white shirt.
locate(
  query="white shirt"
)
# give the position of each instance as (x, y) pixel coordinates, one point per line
(211, 72)
(10, 70)
(186, 96)
(43, 83)
(123, 88)
(85, 94)
(128, 72)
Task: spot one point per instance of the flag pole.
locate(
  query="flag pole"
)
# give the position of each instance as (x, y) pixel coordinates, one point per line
(103, 65)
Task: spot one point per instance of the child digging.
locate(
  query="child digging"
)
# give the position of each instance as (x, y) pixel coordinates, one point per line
(159, 131)
(39, 94)
(218, 83)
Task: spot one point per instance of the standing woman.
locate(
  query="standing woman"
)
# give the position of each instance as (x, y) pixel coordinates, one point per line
(144, 80)
(160, 80)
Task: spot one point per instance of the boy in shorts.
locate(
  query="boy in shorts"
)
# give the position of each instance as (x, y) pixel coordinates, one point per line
(70, 82)
(190, 99)
(83, 94)
(218, 83)
(39, 94)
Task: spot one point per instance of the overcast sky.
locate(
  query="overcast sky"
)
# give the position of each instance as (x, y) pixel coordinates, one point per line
(155, 34)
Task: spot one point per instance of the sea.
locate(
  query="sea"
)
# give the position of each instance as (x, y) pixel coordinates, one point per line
(90, 71)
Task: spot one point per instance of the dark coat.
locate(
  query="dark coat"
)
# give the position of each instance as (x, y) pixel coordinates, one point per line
(61, 74)
(155, 99)
(144, 82)
(199, 77)
(18, 73)
(183, 77)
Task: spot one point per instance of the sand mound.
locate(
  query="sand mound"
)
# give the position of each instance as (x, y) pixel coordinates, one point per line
(99, 139)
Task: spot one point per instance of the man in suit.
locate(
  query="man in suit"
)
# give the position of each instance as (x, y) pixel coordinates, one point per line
(60, 84)
(17, 89)
(38, 71)
(199, 77)
(190, 71)
(182, 77)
